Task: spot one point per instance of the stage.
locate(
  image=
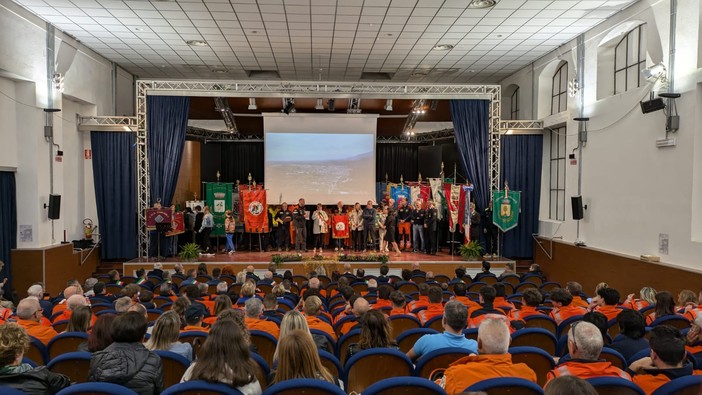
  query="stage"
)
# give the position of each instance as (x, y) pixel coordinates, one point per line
(441, 263)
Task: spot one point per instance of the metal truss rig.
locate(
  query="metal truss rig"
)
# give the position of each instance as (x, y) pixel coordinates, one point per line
(107, 124)
(211, 135)
(428, 137)
(307, 89)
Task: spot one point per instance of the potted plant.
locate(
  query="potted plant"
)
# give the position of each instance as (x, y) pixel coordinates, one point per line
(189, 252)
(471, 251)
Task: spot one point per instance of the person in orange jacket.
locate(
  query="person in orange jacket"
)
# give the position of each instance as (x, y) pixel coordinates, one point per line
(563, 307)
(254, 309)
(435, 307)
(399, 304)
(423, 299)
(531, 299)
(494, 359)
(667, 361)
(459, 294)
(29, 315)
(585, 344)
(575, 289)
(311, 309)
(610, 301)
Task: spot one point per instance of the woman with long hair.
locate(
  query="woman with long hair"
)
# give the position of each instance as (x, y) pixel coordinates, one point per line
(179, 306)
(647, 298)
(80, 320)
(221, 303)
(665, 305)
(375, 333)
(101, 337)
(164, 336)
(225, 358)
(298, 359)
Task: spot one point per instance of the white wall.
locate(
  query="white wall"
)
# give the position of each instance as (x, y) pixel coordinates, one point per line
(88, 90)
(633, 190)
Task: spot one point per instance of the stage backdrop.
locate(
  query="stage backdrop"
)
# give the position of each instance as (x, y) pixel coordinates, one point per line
(321, 157)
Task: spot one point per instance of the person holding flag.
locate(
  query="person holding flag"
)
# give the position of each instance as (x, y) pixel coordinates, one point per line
(340, 226)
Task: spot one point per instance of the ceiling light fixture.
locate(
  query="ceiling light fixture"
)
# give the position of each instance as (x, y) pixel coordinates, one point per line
(331, 104)
(219, 70)
(443, 47)
(139, 29)
(482, 3)
(197, 43)
(288, 106)
(252, 104)
(388, 105)
(320, 104)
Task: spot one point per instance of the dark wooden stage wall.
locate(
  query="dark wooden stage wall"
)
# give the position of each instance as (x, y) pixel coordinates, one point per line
(628, 275)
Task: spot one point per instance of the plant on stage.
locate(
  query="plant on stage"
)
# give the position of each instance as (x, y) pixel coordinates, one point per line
(471, 251)
(189, 252)
(382, 258)
(278, 259)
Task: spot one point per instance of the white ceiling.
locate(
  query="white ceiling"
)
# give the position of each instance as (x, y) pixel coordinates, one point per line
(324, 39)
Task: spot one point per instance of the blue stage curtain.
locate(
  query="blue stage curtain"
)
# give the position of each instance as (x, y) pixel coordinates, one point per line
(167, 119)
(114, 173)
(471, 124)
(8, 223)
(521, 159)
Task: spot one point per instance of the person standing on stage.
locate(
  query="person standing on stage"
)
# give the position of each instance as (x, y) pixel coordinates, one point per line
(430, 224)
(474, 223)
(369, 225)
(382, 228)
(404, 224)
(229, 230)
(283, 218)
(198, 224)
(490, 231)
(300, 224)
(391, 228)
(270, 237)
(320, 226)
(189, 219)
(205, 230)
(417, 220)
(356, 224)
(339, 241)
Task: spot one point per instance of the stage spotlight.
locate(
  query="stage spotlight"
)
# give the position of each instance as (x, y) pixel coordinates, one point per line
(289, 106)
(320, 104)
(331, 105)
(252, 104)
(388, 105)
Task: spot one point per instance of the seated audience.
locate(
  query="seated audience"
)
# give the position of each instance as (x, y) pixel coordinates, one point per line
(123, 304)
(267, 278)
(298, 358)
(534, 269)
(476, 315)
(569, 385)
(494, 359)
(101, 292)
(311, 308)
(248, 290)
(14, 341)
(399, 304)
(270, 308)
(190, 278)
(563, 305)
(485, 272)
(600, 321)
(384, 278)
(29, 317)
(423, 299)
(416, 271)
(435, 307)
(597, 299)
(584, 345)
(454, 322)
(101, 337)
(67, 293)
(375, 333)
(531, 299)
(383, 299)
(194, 315)
(126, 361)
(72, 303)
(164, 336)
(647, 298)
(221, 303)
(37, 291)
(157, 270)
(360, 307)
(632, 329)
(254, 309)
(687, 300)
(576, 290)
(460, 272)
(509, 270)
(225, 358)
(666, 362)
(80, 320)
(694, 337)
(665, 306)
(610, 300)
(459, 294)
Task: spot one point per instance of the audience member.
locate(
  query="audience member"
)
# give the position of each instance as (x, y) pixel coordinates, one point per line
(576, 290)
(157, 270)
(123, 304)
(383, 299)
(459, 294)
(665, 306)
(569, 385)
(254, 309)
(647, 298)
(14, 341)
(563, 307)
(72, 303)
(422, 299)
(454, 322)
(312, 307)
(597, 299)
(383, 278)
(80, 320)
(67, 293)
(399, 304)
(460, 272)
(501, 301)
(194, 315)
(29, 317)
(632, 329)
(101, 336)
(494, 359)
(360, 307)
(165, 336)
(477, 314)
(298, 359)
(416, 271)
(531, 299)
(584, 345)
(225, 358)
(126, 361)
(600, 321)
(610, 300)
(375, 333)
(435, 307)
(37, 291)
(509, 270)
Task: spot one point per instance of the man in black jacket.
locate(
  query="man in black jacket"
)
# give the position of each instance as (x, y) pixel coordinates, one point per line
(199, 215)
(283, 217)
(417, 219)
(300, 224)
(430, 223)
(369, 225)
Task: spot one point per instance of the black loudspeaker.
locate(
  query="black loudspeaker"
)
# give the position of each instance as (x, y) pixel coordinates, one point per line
(54, 206)
(652, 105)
(577, 203)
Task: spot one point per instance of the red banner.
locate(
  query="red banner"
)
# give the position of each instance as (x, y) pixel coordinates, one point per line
(340, 226)
(253, 204)
(178, 224)
(156, 216)
(453, 197)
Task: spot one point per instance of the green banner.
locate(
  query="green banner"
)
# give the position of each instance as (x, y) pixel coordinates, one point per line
(505, 213)
(219, 199)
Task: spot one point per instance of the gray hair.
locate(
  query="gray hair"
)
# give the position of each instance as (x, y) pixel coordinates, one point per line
(36, 291)
(494, 337)
(158, 265)
(587, 339)
(203, 287)
(27, 307)
(75, 301)
(222, 286)
(456, 315)
(165, 287)
(123, 304)
(89, 283)
(254, 307)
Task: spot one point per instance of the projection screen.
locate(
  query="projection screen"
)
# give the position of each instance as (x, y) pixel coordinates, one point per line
(322, 158)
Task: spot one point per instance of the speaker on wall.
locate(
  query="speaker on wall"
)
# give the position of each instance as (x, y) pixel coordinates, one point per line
(54, 206)
(652, 105)
(577, 203)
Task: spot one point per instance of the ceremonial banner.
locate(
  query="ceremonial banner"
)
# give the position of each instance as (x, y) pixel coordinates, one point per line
(178, 224)
(340, 226)
(425, 194)
(157, 216)
(219, 199)
(253, 203)
(437, 195)
(453, 197)
(505, 213)
(400, 192)
(466, 189)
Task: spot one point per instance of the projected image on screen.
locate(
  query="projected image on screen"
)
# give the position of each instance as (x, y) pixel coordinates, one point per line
(320, 167)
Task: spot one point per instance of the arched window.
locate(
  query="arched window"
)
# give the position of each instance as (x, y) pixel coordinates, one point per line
(514, 105)
(559, 89)
(557, 170)
(629, 60)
